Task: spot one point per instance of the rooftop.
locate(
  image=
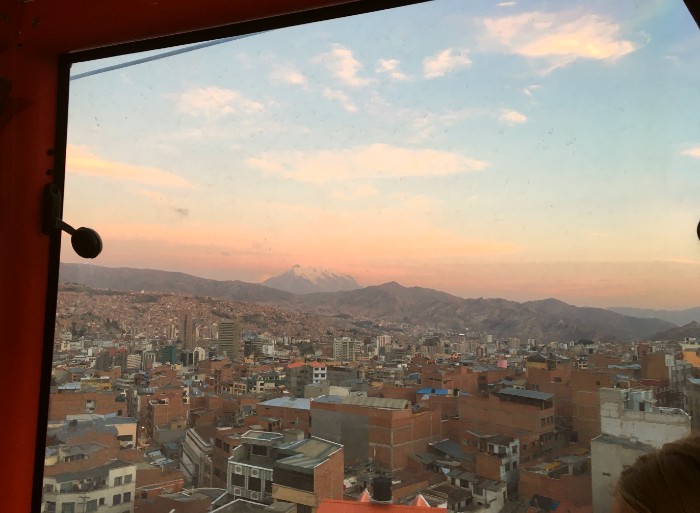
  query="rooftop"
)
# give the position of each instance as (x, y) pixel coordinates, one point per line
(530, 394)
(298, 403)
(376, 402)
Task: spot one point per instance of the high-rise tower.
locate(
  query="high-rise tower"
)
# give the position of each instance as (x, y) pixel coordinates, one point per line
(229, 339)
(186, 329)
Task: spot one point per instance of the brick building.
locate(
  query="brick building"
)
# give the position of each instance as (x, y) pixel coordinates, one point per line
(385, 431)
(75, 403)
(525, 414)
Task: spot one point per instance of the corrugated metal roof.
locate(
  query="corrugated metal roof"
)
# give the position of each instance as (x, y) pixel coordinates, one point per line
(377, 402)
(298, 403)
(530, 394)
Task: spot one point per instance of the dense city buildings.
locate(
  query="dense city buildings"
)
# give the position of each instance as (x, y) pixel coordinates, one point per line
(234, 418)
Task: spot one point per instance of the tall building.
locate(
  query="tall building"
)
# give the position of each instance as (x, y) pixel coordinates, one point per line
(186, 329)
(229, 339)
(346, 349)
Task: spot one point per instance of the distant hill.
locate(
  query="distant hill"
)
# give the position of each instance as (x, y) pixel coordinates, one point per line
(151, 280)
(393, 304)
(304, 280)
(692, 330)
(677, 317)
(542, 320)
(605, 321)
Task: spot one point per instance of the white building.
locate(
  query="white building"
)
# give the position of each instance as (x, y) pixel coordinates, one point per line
(346, 349)
(631, 425)
(108, 488)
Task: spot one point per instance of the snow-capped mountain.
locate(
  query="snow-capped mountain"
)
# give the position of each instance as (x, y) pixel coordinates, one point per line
(303, 280)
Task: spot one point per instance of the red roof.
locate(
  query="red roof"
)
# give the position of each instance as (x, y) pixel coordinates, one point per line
(295, 365)
(318, 364)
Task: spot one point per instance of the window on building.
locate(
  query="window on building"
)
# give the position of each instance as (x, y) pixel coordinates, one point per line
(268, 486)
(118, 481)
(259, 450)
(102, 501)
(68, 507)
(91, 505)
(127, 497)
(116, 499)
(255, 484)
(50, 507)
(286, 165)
(237, 479)
(128, 478)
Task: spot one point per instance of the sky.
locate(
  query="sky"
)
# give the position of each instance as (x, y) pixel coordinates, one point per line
(517, 149)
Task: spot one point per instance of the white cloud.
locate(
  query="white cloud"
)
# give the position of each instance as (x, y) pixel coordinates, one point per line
(507, 4)
(341, 62)
(529, 90)
(445, 62)
(287, 75)
(215, 102)
(423, 125)
(80, 160)
(340, 97)
(390, 67)
(692, 152)
(364, 162)
(512, 117)
(559, 38)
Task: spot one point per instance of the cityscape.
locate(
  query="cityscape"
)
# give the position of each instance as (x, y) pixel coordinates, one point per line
(438, 256)
(163, 401)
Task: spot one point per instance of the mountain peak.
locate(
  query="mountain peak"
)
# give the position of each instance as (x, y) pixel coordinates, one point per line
(303, 280)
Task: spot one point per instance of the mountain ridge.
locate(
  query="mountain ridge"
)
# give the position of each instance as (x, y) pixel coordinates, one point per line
(544, 320)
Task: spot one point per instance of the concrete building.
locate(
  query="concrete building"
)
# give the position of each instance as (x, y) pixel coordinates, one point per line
(186, 329)
(305, 471)
(107, 488)
(631, 425)
(196, 459)
(346, 349)
(230, 339)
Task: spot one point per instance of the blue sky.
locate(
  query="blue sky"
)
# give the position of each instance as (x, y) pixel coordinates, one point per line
(515, 149)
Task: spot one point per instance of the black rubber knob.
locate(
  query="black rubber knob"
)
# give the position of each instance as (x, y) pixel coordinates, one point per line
(86, 242)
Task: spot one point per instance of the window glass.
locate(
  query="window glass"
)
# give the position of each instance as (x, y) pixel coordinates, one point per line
(438, 211)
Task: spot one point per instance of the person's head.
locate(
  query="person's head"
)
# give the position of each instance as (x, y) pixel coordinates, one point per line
(661, 481)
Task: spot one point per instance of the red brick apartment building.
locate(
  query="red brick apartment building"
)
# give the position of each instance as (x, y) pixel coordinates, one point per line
(525, 414)
(76, 403)
(292, 412)
(386, 431)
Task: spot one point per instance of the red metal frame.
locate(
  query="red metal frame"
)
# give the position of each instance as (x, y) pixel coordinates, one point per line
(33, 36)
